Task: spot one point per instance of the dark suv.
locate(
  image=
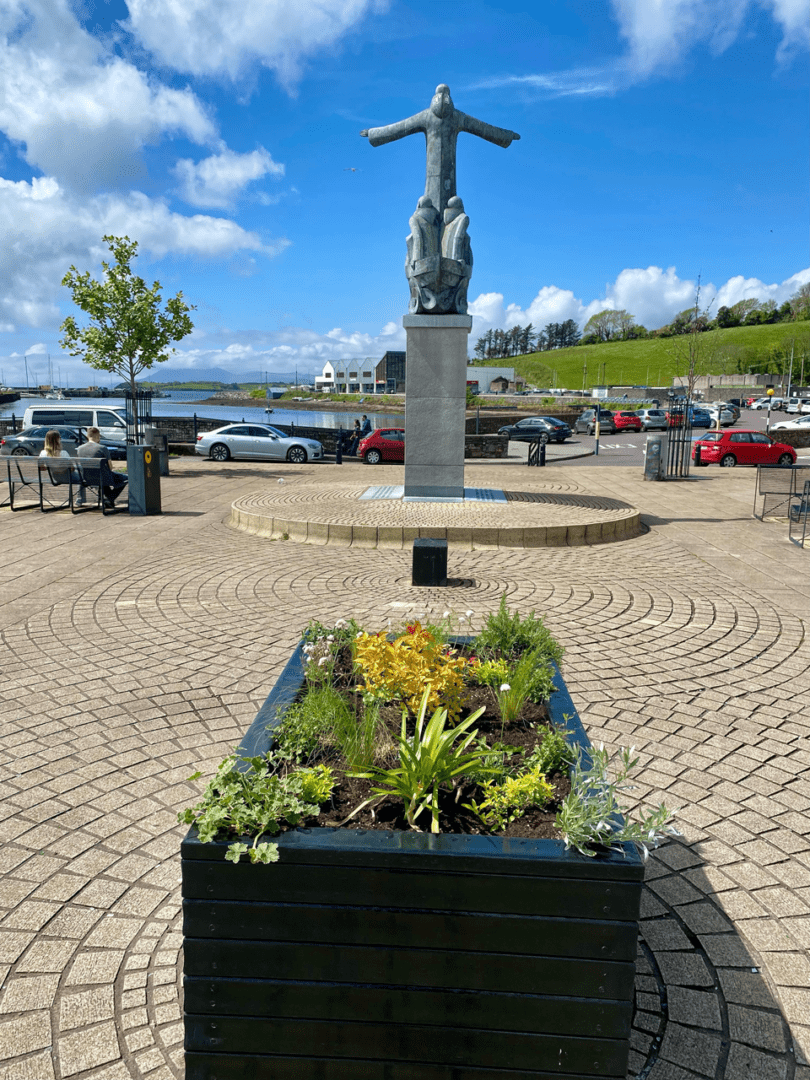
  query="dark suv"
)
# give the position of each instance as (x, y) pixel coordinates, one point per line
(587, 422)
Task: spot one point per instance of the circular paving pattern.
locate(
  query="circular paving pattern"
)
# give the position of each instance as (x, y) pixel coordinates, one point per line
(556, 515)
(131, 681)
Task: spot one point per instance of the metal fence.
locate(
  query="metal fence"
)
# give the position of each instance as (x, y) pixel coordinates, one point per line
(776, 488)
(139, 414)
(679, 441)
(799, 518)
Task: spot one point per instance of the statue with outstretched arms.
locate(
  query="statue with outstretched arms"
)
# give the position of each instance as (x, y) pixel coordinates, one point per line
(441, 124)
(439, 260)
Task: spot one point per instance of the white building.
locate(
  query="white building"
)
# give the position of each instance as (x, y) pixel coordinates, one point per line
(349, 376)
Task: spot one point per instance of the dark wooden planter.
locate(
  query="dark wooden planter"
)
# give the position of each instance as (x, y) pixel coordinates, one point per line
(366, 955)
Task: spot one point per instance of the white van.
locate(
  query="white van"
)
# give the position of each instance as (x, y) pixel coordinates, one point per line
(111, 422)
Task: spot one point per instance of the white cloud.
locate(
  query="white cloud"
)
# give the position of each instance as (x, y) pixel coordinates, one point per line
(207, 37)
(582, 82)
(48, 228)
(653, 296)
(293, 345)
(81, 112)
(659, 34)
(217, 180)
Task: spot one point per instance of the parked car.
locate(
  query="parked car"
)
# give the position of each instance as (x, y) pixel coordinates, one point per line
(653, 419)
(587, 422)
(797, 405)
(701, 418)
(762, 403)
(727, 417)
(730, 405)
(384, 444)
(729, 448)
(627, 421)
(799, 423)
(111, 421)
(31, 440)
(544, 428)
(259, 441)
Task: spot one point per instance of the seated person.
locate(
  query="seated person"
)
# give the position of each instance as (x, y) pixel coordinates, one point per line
(53, 449)
(113, 483)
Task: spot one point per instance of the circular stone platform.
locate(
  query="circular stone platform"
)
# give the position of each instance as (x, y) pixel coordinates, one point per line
(553, 515)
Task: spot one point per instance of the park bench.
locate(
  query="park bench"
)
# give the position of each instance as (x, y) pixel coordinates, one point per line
(54, 483)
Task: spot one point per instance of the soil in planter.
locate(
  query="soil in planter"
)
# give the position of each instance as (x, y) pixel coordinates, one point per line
(454, 817)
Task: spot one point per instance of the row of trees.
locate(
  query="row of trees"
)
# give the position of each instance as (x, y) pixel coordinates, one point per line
(620, 325)
(525, 339)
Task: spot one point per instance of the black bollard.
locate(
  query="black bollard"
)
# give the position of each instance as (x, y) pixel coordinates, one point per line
(697, 453)
(339, 448)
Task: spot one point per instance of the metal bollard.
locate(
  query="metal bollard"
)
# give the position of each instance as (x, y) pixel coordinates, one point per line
(697, 453)
(537, 452)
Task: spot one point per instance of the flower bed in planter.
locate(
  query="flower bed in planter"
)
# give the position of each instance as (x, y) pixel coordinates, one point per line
(388, 955)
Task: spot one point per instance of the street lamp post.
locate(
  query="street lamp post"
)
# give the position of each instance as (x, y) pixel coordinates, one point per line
(770, 402)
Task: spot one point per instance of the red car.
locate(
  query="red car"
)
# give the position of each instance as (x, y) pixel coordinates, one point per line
(384, 444)
(729, 448)
(627, 421)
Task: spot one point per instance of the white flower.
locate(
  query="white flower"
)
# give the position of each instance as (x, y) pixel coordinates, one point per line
(358, 636)
(309, 648)
(341, 624)
(470, 614)
(331, 637)
(504, 687)
(445, 614)
(323, 660)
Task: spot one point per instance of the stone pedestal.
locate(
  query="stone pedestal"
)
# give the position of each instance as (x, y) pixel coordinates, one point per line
(435, 404)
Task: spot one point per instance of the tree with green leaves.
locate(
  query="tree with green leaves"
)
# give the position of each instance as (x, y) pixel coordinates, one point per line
(128, 330)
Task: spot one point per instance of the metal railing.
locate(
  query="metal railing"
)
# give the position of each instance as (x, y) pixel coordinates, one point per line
(799, 518)
(776, 488)
(679, 437)
(139, 414)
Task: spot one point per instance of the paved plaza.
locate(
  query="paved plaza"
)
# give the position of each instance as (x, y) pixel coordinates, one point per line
(136, 651)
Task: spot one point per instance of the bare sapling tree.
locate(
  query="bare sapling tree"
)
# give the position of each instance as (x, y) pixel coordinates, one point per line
(695, 349)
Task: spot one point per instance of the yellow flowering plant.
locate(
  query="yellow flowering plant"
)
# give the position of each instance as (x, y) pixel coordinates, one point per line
(401, 670)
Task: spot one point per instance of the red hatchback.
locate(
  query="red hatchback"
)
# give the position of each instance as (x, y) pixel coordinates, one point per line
(384, 444)
(627, 421)
(729, 448)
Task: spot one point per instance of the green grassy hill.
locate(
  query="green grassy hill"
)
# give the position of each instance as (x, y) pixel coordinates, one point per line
(654, 361)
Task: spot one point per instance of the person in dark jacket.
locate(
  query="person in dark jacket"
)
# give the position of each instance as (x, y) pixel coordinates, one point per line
(355, 439)
(113, 482)
(366, 428)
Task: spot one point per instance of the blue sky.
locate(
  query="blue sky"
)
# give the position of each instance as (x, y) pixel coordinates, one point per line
(660, 139)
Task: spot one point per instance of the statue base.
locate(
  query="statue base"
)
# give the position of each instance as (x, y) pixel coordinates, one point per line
(435, 405)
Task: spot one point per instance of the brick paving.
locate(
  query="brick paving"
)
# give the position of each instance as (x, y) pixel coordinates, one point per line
(135, 651)
(317, 510)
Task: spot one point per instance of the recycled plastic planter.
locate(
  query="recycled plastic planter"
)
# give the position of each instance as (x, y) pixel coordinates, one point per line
(371, 955)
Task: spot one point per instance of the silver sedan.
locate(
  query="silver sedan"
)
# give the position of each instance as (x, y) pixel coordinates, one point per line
(258, 441)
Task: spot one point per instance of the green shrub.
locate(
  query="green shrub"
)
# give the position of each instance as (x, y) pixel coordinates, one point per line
(506, 633)
(506, 802)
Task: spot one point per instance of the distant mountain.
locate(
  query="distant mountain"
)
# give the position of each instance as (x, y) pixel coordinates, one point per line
(159, 373)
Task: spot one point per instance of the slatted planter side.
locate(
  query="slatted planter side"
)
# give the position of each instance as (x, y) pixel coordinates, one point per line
(386, 956)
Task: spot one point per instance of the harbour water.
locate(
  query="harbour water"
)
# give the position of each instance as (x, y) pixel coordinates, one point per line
(187, 402)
